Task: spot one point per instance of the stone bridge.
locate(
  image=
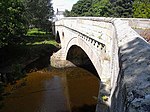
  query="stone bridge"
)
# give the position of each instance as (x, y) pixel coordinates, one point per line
(119, 55)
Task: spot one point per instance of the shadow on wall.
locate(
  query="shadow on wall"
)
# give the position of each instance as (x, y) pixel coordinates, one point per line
(133, 87)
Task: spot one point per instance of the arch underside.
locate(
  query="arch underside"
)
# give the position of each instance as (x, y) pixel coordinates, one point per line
(90, 55)
(78, 57)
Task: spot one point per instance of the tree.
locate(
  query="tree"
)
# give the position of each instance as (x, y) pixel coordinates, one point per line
(111, 8)
(13, 21)
(39, 12)
(141, 9)
(91, 8)
(82, 8)
(101, 8)
(122, 8)
(67, 13)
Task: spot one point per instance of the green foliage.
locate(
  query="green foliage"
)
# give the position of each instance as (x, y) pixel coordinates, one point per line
(17, 15)
(100, 7)
(111, 8)
(104, 98)
(13, 21)
(82, 8)
(67, 13)
(122, 8)
(35, 31)
(91, 8)
(141, 9)
(38, 13)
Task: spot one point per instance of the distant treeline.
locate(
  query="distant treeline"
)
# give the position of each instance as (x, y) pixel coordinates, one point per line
(111, 8)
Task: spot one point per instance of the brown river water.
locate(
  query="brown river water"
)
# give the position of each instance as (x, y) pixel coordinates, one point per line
(55, 90)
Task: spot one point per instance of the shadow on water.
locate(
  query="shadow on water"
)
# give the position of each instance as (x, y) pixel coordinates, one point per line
(82, 95)
(84, 108)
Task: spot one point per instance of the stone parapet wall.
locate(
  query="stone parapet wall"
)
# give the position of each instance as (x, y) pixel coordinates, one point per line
(99, 29)
(132, 91)
(137, 23)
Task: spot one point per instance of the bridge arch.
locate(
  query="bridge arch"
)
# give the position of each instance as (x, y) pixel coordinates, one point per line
(92, 55)
(78, 57)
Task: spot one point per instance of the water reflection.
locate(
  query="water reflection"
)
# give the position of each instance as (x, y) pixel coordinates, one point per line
(63, 90)
(83, 88)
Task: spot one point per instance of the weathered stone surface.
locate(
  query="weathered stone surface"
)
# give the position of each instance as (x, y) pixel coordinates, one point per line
(135, 58)
(57, 60)
(134, 71)
(139, 23)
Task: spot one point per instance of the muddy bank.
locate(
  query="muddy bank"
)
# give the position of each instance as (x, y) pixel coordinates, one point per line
(15, 61)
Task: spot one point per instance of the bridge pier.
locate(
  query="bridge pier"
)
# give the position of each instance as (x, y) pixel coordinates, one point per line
(58, 60)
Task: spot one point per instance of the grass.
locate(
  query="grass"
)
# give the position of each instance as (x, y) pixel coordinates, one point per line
(53, 42)
(35, 31)
(37, 37)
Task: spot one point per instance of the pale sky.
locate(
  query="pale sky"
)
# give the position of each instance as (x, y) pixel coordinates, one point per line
(63, 4)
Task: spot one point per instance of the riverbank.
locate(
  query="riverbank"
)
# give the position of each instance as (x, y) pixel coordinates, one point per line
(30, 54)
(16, 59)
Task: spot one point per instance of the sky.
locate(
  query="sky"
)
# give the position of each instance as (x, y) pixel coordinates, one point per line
(63, 4)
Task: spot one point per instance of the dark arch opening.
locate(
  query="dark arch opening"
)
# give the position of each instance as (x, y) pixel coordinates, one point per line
(57, 39)
(78, 57)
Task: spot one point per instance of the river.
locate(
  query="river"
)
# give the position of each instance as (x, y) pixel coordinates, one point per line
(54, 90)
